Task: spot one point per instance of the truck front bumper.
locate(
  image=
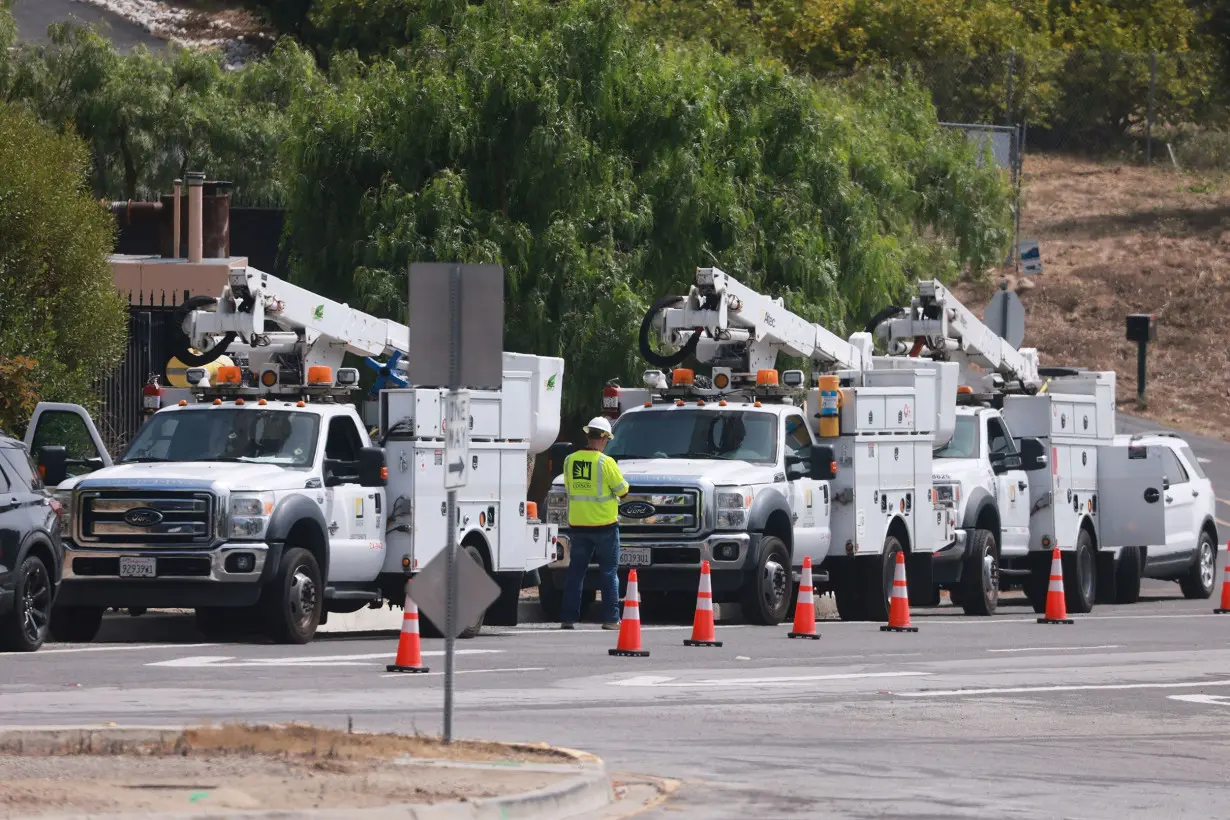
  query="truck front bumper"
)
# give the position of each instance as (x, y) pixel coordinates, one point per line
(228, 575)
(674, 565)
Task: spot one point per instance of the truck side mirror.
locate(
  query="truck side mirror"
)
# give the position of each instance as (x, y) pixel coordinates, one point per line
(1033, 455)
(53, 464)
(823, 462)
(373, 470)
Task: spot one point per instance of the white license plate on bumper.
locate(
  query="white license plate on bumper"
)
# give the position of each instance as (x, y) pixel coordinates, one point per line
(138, 567)
(636, 557)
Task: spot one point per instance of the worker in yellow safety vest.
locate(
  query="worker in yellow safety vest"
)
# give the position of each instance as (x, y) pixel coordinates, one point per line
(595, 485)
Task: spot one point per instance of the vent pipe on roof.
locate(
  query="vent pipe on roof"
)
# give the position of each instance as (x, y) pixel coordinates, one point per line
(195, 227)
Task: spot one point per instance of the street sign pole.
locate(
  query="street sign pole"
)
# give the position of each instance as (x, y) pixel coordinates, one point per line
(454, 398)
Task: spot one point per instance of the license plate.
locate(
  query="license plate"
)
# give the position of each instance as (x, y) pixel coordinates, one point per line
(138, 567)
(634, 557)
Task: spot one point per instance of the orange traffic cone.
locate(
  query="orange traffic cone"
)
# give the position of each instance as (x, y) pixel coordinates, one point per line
(629, 644)
(899, 603)
(1056, 607)
(409, 652)
(702, 623)
(1225, 587)
(805, 609)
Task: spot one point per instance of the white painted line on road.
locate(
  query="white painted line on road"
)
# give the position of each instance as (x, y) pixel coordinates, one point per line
(412, 675)
(1204, 460)
(1223, 523)
(1215, 700)
(658, 680)
(1079, 618)
(1021, 690)
(555, 630)
(1057, 648)
(115, 648)
(215, 661)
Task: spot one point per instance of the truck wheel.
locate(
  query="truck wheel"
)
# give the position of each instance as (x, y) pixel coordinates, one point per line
(24, 629)
(767, 589)
(846, 591)
(1080, 585)
(1127, 575)
(1038, 580)
(293, 600)
(980, 575)
(877, 577)
(76, 624)
(1199, 581)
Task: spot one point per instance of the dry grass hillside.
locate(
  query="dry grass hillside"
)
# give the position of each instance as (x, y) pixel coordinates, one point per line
(1119, 239)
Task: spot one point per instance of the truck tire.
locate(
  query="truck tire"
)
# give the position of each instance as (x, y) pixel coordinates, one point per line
(1038, 580)
(24, 629)
(1200, 579)
(76, 624)
(1127, 575)
(293, 601)
(846, 591)
(767, 589)
(877, 580)
(1080, 575)
(980, 575)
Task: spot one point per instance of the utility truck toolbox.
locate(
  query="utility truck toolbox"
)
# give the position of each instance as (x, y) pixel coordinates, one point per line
(265, 501)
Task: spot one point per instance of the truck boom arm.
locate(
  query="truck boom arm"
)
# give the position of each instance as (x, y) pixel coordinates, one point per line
(754, 328)
(938, 320)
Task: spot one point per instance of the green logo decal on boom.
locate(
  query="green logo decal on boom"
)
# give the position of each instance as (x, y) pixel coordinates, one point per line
(551, 383)
(319, 312)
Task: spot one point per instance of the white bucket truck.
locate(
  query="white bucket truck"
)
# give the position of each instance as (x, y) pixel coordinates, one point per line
(752, 472)
(266, 502)
(1033, 465)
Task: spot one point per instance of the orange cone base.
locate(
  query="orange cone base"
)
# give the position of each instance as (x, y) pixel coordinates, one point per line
(1056, 621)
(690, 642)
(815, 636)
(630, 653)
(395, 668)
(887, 628)
(1221, 612)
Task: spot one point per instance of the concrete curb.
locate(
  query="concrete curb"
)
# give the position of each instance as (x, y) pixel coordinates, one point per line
(588, 790)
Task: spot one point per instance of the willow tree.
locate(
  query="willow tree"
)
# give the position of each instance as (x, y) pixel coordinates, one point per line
(600, 169)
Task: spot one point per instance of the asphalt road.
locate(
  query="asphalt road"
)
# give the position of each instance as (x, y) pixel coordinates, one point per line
(34, 16)
(1123, 714)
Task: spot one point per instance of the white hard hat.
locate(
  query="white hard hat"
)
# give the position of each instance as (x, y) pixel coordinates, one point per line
(598, 424)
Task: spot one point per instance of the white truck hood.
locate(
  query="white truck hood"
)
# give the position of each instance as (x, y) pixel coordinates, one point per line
(192, 475)
(692, 471)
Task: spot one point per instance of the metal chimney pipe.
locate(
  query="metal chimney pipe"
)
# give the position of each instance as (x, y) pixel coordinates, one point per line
(175, 242)
(195, 232)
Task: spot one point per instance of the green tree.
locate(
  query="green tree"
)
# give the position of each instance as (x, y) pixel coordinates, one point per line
(61, 323)
(600, 169)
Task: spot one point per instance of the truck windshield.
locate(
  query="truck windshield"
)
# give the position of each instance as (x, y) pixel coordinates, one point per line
(964, 443)
(727, 434)
(228, 434)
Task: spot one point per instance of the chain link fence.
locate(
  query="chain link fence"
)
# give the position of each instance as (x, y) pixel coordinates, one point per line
(1143, 107)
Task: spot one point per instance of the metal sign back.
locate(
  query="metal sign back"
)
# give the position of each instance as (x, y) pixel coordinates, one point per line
(1005, 316)
(475, 591)
(479, 303)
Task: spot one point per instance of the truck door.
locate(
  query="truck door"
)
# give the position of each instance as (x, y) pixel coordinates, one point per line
(69, 426)
(1012, 487)
(1180, 517)
(356, 550)
(1132, 511)
(809, 499)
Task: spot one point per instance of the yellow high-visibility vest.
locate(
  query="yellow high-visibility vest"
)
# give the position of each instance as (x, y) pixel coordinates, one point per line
(594, 485)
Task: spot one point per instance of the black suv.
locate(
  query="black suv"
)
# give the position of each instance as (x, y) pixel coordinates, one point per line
(31, 555)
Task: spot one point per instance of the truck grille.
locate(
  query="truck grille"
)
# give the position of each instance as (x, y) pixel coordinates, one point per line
(152, 518)
(671, 510)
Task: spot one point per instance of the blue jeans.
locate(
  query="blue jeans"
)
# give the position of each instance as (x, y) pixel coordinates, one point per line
(600, 544)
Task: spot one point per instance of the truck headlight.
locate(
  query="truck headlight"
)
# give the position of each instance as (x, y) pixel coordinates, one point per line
(947, 495)
(250, 514)
(732, 505)
(65, 497)
(557, 507)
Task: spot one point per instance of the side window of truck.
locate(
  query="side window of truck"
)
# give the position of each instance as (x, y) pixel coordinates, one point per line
(798, 438)
(344, 441)
(1173, 469)
(998, 440)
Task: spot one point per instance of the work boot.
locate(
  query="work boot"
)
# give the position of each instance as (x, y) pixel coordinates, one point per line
(611, 625)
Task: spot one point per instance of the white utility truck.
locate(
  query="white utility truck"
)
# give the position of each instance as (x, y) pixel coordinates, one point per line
(1033, 464)
(753, 473)
(265, 501)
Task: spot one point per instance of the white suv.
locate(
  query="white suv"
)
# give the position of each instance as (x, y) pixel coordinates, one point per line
(1189, 555)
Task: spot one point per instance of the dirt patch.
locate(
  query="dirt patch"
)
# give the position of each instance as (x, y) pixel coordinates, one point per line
(1120, 239)
(239, 767)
